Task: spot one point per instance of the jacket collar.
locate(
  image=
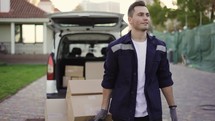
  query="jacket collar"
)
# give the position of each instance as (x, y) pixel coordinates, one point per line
(127, 39)
(150, 51)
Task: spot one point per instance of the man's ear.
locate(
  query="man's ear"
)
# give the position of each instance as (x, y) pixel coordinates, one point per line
(129, 20)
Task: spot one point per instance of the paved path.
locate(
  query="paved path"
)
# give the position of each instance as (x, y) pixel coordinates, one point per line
(26, 104)
(194, 94)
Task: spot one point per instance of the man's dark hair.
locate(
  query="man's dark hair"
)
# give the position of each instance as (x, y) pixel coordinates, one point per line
(133, 5)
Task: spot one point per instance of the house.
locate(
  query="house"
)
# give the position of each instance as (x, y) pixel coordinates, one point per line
(23, 27)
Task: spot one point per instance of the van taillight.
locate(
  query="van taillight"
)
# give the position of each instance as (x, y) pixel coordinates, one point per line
(50, 68)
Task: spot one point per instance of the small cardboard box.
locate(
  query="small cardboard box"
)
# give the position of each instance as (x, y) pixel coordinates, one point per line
(76, 71)
(94, 70)
(56, 110)
(84, 107)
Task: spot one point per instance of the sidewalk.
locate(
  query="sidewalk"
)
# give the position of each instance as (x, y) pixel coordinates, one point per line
(28, 103)
(194, 94)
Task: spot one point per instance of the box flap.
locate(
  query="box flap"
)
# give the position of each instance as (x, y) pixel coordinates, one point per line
(85, 87)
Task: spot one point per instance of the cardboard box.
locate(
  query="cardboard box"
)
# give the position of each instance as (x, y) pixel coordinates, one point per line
(84, 87)
(56, 110)
(77, 71)
(94, 70)
(84, 99)
(84, 107)
(77, 78)
(67, 78)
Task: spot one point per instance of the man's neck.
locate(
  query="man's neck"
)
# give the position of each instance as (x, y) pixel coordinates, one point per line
(139, 36)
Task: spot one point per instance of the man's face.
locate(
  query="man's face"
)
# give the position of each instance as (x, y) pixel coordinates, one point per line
(140, 19)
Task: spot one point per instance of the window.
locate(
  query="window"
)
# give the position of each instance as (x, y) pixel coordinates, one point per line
(29, 33)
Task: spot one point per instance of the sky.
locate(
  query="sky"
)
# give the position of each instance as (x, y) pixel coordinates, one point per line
(69, 5)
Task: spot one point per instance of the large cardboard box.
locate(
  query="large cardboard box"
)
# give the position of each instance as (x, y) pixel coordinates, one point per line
(56, 110)
(76, 71)
(94, 70)
(67, 78)
(84, 99)
(84, 107)
(84, 87)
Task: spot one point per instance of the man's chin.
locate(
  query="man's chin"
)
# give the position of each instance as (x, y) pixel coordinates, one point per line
(144, 29)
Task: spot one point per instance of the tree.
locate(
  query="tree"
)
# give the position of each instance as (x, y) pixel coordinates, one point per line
(212, 9)
(190, 13)
(158, 14)
(194, 11)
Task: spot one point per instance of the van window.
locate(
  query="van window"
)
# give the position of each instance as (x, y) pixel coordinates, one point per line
(84, 45)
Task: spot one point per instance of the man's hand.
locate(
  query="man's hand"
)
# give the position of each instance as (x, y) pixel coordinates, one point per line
(173, 114)
(101, 115)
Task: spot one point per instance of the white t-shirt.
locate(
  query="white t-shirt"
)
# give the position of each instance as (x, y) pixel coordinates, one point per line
(141, 105)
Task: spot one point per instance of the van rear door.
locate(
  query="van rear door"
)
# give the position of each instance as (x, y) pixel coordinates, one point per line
(87, 21)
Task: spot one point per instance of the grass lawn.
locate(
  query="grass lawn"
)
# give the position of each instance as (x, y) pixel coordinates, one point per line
(15, 77)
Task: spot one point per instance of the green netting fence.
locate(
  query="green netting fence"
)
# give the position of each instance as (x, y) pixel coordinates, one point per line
(195, 48)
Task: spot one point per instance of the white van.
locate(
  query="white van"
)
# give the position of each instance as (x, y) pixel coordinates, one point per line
(80, 37)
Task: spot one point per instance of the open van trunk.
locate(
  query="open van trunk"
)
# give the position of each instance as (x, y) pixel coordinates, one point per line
(79, 49)
(80, 38)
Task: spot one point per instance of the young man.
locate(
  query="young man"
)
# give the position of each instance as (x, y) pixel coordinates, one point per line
(136, 67)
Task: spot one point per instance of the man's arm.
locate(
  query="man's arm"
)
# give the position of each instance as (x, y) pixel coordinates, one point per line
(106, 98)
(105, 105)
(168, 94)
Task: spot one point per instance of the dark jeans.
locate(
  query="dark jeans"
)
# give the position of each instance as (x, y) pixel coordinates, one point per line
(146, 118)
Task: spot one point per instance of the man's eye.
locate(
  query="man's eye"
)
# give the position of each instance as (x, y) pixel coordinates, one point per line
(140, 14)
(147, 14)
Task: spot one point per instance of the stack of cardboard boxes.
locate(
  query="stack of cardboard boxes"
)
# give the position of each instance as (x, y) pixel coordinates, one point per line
(83, 96)
(73, 73)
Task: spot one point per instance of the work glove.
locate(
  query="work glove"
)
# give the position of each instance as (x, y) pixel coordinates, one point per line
(173, 113)
(101, 115)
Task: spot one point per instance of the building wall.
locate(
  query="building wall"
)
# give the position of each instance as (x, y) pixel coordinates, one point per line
(103, 6)
(25, 48)
(4, 5)
(50, 41)
(46, 6)
(21, 48)
(5, 33)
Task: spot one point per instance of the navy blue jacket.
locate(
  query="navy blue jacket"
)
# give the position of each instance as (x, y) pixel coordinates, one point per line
(121, 76)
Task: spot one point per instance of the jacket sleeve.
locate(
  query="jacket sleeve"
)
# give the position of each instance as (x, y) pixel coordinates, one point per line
(110, 69)
(164, 74)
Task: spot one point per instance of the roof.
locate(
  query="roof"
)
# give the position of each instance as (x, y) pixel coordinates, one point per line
(23, 9)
